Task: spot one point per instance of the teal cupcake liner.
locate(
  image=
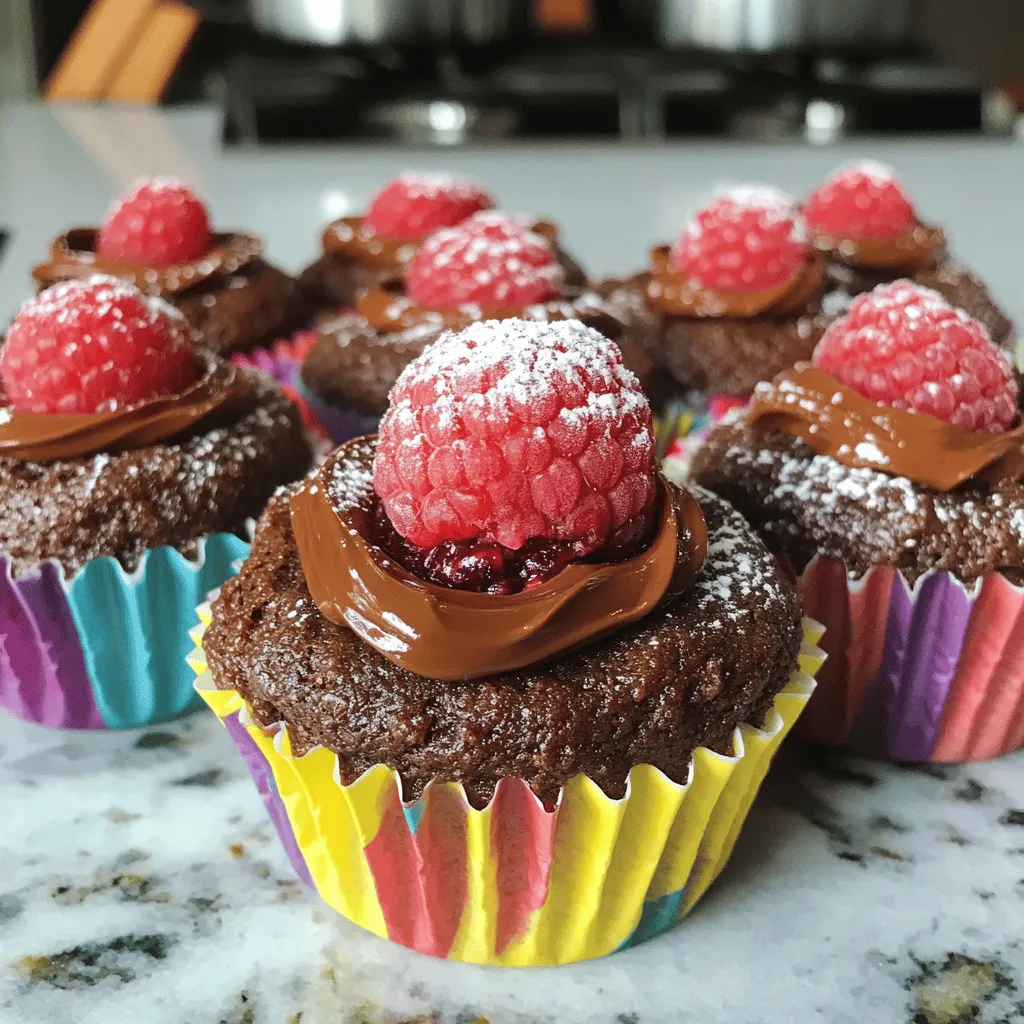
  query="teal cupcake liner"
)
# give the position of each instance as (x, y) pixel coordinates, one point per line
(107, 648)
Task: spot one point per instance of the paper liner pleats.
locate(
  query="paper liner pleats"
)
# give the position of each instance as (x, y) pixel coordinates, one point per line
(515, 883)
(105, 649)
(933, 672)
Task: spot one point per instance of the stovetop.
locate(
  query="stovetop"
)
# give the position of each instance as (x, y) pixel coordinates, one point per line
(593, 86)
(636, 94)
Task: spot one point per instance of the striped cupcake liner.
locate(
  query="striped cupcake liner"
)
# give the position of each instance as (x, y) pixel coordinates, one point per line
(283, 361)
(514, 884)
(105, 649)
(933, 672)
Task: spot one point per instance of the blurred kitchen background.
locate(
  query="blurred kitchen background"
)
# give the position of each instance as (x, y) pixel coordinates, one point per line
(451, 72)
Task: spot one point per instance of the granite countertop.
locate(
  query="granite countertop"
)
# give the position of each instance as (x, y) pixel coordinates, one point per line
(143, 882)
(141, 878)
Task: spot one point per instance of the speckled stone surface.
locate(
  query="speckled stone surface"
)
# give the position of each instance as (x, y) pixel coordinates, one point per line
(142, 882)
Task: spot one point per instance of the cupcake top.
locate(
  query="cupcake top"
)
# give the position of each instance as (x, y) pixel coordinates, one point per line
(493, 265)
(900, 444)
(502, 585)
(515, 457)
(745, 254)
(118, 434)
(863, 217)
(404, 212)
(156, 237)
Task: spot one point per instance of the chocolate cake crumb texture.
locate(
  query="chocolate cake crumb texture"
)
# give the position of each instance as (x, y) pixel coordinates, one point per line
(804, 504)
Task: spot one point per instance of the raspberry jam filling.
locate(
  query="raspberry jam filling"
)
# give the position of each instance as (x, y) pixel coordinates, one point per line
(487, 567)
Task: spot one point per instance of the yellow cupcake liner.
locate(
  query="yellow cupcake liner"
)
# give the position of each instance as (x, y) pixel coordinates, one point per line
(515, 883)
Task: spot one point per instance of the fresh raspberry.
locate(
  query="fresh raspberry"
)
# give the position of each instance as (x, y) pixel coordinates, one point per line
(905, 346)
(494, 267)
(497, 224)
(513, 430)
(414, 205)
(745, 240)
(158, 224)
(95, 345)
(860, 200)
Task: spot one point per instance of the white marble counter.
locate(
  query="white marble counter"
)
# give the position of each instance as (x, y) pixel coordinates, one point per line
(141, 880)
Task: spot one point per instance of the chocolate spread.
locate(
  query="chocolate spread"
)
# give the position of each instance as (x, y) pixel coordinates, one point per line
(448, 634)
(834, 420)
(920, 248)
(46, 437)
(73, 255)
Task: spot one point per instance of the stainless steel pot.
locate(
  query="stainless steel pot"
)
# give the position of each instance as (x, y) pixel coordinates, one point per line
(380, 22)
(771, 25)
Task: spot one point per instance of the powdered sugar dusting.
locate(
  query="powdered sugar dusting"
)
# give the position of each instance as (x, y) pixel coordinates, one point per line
(437, 184)
(748, 238)
(515, 429)
(59, 302)
(521, 357)
(879, 173)
(465, 264)
(739, 576)
(773, 206)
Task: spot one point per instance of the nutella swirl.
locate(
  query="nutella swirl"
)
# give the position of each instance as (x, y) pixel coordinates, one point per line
(73, 255)
(674, 294)
(44, 437)
(353, 239)
(834, 420)
(449, 634)
(920, 248)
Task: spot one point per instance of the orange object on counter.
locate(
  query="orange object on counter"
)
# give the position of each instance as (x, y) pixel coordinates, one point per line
(143, 77)
(91, 59)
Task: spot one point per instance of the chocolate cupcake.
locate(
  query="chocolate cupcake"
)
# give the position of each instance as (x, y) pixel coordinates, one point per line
(488, 267)
(362, 253)
(132, 467)
(889, 474)
(496, 615)
(739, 297)
(158, 239)
(862, 219)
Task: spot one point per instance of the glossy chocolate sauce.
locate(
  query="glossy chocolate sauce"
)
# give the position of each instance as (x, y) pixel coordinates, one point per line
(46, 437)
(73, 255)
(448, 634)
(920, 248)
(834, 420)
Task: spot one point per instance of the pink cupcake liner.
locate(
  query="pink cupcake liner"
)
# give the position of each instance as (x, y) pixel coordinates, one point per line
(933, 672)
